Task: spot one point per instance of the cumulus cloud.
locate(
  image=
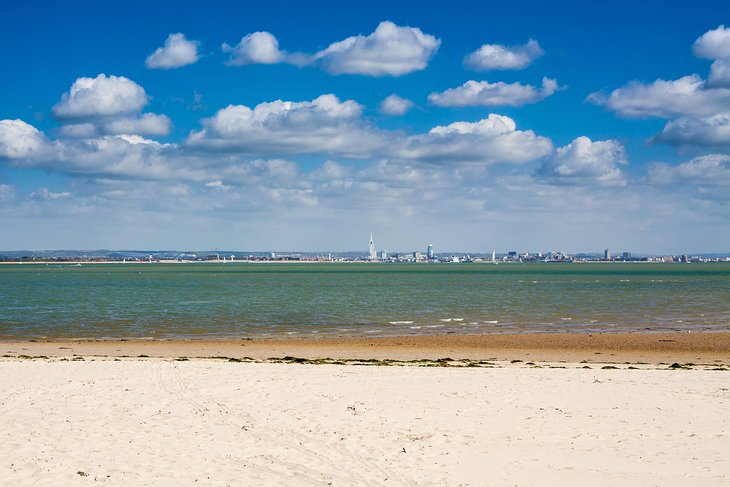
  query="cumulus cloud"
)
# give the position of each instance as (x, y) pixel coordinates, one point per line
(688, 95)
(255, 48)
(107, 106)
(713, 131)
(496, 56)
(713, 44)
(175, 53)
(103, 96)
(584, 160)
(19, 140)
(711, 169)
(394, 105)
(323, 125)
(720, 73)
(147, 124)
(493, 140)
(483, 93)
(391, 50)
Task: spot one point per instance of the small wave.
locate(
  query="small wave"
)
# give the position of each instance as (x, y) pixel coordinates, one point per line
(491, 322)
(415, 327)
(449, 320)
(435, 326)
(567, 319)
(404, 322)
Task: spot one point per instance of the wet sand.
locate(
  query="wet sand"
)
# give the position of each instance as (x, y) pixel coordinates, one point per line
(558, 347)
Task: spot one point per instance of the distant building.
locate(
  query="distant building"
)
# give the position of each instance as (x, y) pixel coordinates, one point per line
(373, 255)
(417, 255)
(626, 256)
(607, 254)
(429, 252)
(384, 255)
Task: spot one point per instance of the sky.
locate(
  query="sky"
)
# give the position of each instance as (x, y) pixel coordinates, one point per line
(305, 126)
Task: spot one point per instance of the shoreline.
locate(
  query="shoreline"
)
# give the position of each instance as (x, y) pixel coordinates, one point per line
(694, 347)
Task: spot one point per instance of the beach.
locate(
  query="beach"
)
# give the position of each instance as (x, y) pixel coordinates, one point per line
(491, 410)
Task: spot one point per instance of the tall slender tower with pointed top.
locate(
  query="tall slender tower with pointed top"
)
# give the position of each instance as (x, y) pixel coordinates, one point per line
(373, 254)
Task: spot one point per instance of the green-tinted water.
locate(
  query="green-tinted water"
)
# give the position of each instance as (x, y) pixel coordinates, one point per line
(238, 299)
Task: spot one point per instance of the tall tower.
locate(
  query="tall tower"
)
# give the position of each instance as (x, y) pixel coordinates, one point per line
(373, 254)
(429, 252)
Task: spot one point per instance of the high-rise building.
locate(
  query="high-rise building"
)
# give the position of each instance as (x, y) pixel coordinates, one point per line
(429, 252)
(373, 255)
(607, 254)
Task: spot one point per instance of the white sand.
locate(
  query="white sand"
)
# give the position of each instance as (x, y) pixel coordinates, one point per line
(211, 423)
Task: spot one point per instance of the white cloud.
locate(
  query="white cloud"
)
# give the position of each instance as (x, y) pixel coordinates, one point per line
(147, 124)
(394, 105)
(589, 162)
(323, 125)
(713, 44)
(497, 56)
(493, 140)
(7, 192)
(84, 129)
(720, 73)
(46, 194)
(19, 140)
(255, 48)
(483, 93)
(711, 169)
(389, 51)
(101, 97)
(687, 96)
(697, 131)
(216, 185)
(177, 52)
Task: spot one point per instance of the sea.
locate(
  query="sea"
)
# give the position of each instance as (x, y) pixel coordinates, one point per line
(281, 300)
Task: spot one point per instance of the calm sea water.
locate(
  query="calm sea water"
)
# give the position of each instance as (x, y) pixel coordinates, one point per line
(254, 300)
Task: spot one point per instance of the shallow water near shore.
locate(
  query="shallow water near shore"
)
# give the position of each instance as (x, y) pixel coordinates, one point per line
(292, 300)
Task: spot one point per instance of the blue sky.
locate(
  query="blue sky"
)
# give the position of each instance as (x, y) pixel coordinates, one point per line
(542, 126)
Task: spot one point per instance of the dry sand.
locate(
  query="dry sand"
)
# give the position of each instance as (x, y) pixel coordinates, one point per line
(162, 422)
(158, 421)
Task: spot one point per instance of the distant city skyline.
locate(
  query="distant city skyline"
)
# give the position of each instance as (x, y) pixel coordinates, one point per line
(476, 127)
